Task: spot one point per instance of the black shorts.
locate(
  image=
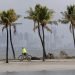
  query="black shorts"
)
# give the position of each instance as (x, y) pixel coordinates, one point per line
(24, 53)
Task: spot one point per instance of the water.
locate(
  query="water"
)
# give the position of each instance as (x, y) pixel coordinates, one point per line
(32, 44)
(43, 72)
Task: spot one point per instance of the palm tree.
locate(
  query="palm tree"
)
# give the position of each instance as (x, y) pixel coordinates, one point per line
(69, 17)
(41, 16)
(7, 20)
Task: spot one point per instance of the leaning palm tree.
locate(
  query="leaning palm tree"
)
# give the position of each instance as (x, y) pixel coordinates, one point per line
(69, 17)
(41, 16)
(7, 19)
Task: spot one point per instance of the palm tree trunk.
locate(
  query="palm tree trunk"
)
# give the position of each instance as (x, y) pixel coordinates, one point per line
(11, 42)
(44, 51)
(41, 40)
(39, 33)
(73, 35)
(7, 46)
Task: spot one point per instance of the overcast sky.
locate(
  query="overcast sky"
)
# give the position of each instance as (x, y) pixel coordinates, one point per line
(21, 6)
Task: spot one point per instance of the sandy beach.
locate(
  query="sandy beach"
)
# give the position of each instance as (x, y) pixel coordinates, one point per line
(38, 65)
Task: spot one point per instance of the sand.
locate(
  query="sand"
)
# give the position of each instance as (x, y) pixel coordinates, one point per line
(38, 65)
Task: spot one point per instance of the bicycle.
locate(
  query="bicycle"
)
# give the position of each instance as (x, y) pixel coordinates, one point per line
(25, 57)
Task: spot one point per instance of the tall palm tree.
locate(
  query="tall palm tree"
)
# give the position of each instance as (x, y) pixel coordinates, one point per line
(41, 16)
(7, 19)
(69, 17)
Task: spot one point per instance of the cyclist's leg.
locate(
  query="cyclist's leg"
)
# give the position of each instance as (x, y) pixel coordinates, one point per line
(28, 57)
(20, 57)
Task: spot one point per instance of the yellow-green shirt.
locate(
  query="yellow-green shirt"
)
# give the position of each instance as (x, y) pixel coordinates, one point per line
(24, 50)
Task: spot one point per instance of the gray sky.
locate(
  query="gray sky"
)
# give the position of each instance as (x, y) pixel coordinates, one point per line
(62, 33)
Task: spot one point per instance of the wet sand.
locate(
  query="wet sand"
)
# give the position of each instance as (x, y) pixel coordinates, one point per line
(37, 65)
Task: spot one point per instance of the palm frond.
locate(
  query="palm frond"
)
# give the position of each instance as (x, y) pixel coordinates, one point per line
(34, 25)
(28, 17)
(14, 26)
(53, 22)
(68, 15)
(0, 22)
(35, 28)
(48, 29)
(3, 28)
(63, 13)
(18, 16)
(64, 21)
(70, 27)
(30, 11)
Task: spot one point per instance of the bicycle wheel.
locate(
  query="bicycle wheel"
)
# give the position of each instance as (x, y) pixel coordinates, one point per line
(21, 57)
(28, 57)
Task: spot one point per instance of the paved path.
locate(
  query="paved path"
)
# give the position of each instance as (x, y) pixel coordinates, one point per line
(15, 65)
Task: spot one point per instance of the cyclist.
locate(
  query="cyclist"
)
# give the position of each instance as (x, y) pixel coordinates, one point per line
(24, 55)
(24, 51)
